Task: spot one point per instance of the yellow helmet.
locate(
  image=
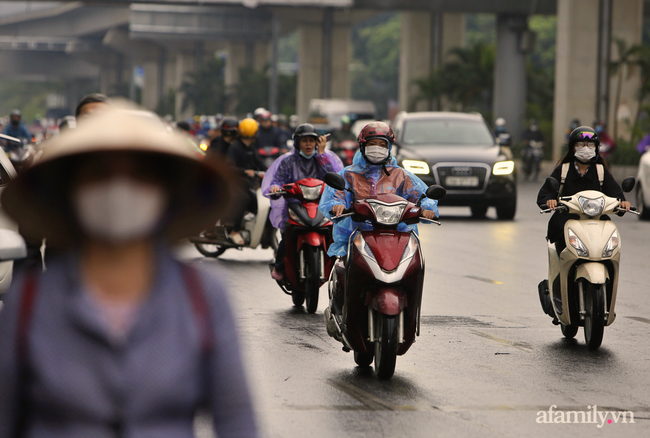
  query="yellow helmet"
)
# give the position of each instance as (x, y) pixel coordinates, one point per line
(248, 128)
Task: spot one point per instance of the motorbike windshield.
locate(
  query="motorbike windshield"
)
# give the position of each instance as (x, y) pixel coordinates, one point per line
(290, 168)
(366, 180)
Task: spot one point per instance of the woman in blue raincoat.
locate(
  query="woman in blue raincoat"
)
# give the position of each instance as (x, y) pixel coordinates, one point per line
(372, 172)
(308, 160)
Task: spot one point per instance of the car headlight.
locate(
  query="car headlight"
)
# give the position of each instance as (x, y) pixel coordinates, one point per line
(612, 244)
(417, 167)
(387, 214)
(577, 244)
(411, 248)
(311, 193)
(503, 168)
(592, 207)
(363, 247)
(295, 217)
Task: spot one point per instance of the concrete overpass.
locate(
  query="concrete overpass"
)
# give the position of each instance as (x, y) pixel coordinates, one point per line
(170, 38)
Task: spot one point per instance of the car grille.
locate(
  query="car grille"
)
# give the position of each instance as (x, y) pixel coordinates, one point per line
(462, 177)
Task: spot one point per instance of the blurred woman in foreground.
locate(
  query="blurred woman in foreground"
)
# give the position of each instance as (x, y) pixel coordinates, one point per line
(117, 338)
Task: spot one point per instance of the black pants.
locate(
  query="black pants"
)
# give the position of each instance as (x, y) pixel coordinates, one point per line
(251, 206)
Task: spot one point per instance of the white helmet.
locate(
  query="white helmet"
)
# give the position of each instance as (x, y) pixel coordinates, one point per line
(500, 121)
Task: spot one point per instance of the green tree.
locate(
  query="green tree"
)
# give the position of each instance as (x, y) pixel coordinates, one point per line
(205, 88)
(467, 79)
(376, 45)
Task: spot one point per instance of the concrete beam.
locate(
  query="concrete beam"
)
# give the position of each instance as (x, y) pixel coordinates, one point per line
(45, 66)
(73, 20)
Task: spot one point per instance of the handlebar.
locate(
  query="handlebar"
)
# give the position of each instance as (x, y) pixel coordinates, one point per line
(432, 221)
(548, 210)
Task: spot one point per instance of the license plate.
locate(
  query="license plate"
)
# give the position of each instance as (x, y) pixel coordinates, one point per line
(462, 181)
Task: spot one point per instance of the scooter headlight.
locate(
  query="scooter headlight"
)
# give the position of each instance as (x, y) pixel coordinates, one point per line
(295, 217)
(411, 249)
(387, 214)
(577, 244)
(612, 244)
(311, 193)
(363, 247)
(323, 222)
(592, 207)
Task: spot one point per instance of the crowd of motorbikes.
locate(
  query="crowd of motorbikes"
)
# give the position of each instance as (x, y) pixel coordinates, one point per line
(375, 291)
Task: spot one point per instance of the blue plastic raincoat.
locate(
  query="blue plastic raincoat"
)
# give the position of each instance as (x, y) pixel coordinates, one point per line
(290, 168)
(367, 179)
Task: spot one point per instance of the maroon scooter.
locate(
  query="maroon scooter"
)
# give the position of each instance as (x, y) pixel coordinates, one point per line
(375, 295)
(307, 238)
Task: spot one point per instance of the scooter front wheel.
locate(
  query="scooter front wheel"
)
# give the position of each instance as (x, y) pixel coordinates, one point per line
(569, 331)
(385, 346)
(312, 260)
(210, 250)
(595, 317)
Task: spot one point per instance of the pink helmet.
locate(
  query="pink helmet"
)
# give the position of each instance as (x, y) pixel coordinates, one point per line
(376, 130)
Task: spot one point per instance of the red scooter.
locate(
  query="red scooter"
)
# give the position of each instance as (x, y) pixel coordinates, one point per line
(375, 295)
(307, 238)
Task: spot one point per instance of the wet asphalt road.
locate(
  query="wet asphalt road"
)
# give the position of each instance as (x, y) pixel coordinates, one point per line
(488, 359)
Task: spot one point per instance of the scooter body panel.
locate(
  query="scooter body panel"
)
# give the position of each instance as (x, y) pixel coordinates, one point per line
(569, 266)
(367, 284)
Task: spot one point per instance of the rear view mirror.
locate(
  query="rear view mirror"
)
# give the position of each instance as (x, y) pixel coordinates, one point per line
(552, 184)
(12, 246)
(628, 184)
(436, 192)
(335, 180)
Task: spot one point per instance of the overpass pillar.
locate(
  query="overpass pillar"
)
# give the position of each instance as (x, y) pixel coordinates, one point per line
(324, 53)
(425, 43)
(154, 80)
(577, 65)
(510, 73)
(185, 63)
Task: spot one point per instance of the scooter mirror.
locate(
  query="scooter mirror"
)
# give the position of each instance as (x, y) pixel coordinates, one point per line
(552, 184)
(436, 192)
(335, 180)
(628, 184)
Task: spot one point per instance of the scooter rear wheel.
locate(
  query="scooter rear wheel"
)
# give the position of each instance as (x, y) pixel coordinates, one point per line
(595, 318)
(210, 250)
(386, 346)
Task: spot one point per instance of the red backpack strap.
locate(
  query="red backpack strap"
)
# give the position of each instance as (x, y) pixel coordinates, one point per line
(200, 307)
(27, 299)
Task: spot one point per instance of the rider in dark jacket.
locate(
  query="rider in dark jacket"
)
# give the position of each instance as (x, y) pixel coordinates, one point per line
(583, 157)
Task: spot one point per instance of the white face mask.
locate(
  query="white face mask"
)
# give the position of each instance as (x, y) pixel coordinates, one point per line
(120, 209)
(376, 154)
(585, 154)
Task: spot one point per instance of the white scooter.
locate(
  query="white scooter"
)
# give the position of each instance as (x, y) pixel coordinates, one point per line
(256, 230)
(583, 279)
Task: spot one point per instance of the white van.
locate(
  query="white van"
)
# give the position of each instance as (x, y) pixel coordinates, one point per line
(329, 111)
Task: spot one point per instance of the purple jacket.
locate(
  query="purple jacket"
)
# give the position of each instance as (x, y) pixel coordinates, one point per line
(290, 168)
